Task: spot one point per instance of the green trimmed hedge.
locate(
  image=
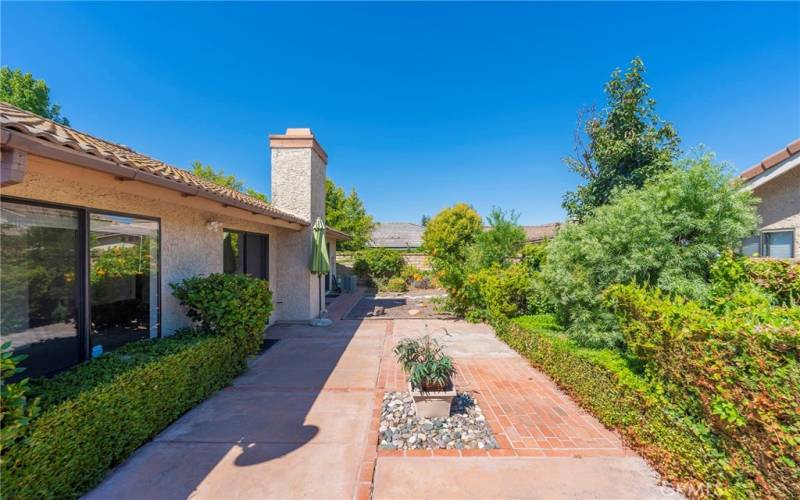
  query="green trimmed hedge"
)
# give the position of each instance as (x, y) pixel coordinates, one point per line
(612, 387)
(98, 413)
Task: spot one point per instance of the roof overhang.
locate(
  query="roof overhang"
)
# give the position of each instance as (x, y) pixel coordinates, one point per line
(773, 172)
(14, 140)
(337, 235)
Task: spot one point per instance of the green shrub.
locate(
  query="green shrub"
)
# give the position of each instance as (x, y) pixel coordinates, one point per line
(738, 371)
(232, 305)
(378, 265)
(497, 291)
(610, 385)
(396, 284)
(446, 239)
(98, 413)
(16, 410)
(666, 234)
(533, 256)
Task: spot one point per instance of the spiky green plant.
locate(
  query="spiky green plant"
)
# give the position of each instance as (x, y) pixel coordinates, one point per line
(425, 363)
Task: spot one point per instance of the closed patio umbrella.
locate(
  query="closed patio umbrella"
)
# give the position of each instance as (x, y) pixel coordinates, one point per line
(320, 265)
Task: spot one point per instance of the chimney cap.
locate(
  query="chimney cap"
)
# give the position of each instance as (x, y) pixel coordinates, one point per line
(296, 138)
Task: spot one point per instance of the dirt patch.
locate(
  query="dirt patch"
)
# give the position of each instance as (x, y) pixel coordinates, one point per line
(400, 306)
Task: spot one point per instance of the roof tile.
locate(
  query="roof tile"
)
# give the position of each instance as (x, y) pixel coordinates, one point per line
(18, 120)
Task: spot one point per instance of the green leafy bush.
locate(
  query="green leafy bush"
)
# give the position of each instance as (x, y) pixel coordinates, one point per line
(499, 244)
(233, 305)
(396, 284)
(378, 265)
(98, 413)
(612, 386)
(666, 234)
(425, 363)
(16, 409)
(738, 371)
(446, 239)
(497, 291)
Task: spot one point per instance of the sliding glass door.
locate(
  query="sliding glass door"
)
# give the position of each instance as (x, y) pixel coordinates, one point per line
(75, 282)
(39, 265)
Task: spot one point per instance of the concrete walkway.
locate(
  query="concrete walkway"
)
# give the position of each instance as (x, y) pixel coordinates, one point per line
(302, 423)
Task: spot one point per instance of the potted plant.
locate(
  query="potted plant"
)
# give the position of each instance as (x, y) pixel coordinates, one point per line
(430, 374)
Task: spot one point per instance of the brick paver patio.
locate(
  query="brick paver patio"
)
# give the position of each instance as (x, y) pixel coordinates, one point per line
(303, 423)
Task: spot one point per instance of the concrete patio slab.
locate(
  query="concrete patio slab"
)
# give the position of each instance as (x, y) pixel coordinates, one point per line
(231, 471)
(498, 478)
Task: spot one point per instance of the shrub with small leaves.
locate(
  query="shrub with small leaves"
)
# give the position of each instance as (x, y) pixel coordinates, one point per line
(233, 305)
(378, 265)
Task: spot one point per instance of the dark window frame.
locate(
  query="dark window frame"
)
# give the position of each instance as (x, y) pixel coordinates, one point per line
(244, 245)
(83, 300)
(763, 241)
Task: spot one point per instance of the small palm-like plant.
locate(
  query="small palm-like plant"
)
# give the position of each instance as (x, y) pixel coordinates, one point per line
(427, 367)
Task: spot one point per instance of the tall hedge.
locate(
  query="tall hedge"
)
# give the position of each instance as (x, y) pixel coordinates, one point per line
(739, 372)
(610, 385)
(95, 415)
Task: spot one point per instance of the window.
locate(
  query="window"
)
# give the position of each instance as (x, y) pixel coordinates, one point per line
(75, 283)
(123, 278)
(778, 244)
(751, 247)
(245, 253)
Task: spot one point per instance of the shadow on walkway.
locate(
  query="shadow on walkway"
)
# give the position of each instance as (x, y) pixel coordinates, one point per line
(293, 425)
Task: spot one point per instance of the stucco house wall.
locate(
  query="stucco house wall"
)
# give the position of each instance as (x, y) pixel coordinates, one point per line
(188, 247)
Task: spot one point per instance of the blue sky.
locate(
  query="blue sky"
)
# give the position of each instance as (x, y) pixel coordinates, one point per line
(418, 105)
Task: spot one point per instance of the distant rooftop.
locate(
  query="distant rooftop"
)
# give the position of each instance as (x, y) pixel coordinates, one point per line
(397, 235)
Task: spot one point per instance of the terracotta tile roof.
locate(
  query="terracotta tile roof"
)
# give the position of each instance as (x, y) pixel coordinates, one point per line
(27, 123)
(772, 160)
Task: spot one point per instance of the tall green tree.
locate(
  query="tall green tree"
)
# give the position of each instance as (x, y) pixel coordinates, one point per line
(628, 143)
(28, 93)
(346, 212)
(209, 173)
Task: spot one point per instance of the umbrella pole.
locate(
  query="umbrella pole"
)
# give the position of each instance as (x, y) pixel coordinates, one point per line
(320, 296)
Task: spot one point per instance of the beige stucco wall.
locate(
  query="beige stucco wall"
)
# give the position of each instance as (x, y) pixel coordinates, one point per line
(188, 247)
(298, 187)
(780, 205)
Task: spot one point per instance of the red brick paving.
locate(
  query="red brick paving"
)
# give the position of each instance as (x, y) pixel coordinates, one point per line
(528, 414)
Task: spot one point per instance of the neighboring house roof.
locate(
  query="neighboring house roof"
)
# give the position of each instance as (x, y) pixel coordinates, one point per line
(130, 164)
(542, 232)
(772, 163)
(397, 235)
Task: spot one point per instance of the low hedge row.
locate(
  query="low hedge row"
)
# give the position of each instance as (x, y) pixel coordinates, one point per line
(96, 414)
(611, 386)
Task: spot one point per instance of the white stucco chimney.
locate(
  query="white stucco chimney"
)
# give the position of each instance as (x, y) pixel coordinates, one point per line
(298, 187)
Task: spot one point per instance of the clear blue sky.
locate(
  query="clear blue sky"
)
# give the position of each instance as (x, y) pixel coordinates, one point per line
(418, 105)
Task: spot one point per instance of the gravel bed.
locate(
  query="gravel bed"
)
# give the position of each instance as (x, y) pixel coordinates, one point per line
(464, 429)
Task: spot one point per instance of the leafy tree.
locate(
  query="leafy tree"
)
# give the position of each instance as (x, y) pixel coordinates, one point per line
(665, 235)
(347, 213)
(499, 244)
(209, 173)
(25, 92)
(627, 143)
(446, 240)
(424, 220)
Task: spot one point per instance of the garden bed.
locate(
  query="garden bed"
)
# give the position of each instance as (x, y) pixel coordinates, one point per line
(464, 429)
(407, 305)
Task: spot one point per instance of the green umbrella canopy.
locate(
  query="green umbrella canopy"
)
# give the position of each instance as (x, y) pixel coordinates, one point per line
(319, 251)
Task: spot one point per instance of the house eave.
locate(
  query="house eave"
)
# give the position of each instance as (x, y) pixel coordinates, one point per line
(12, 139)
